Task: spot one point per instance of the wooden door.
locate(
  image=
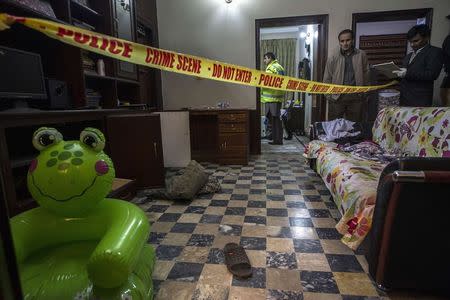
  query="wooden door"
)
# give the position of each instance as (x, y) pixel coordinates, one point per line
(135, 147)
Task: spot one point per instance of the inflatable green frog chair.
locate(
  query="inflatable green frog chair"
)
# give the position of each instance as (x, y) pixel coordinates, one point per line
(79, 244)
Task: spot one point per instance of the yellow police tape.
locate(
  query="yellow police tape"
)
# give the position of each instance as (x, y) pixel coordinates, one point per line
(177, 62)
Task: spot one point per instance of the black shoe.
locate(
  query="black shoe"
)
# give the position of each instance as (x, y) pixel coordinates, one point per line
(273, 143)
(288, 138)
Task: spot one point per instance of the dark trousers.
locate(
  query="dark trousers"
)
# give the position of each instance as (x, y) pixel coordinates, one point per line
(445, 91)
(286, 118)
(347, 106)
(274, 121)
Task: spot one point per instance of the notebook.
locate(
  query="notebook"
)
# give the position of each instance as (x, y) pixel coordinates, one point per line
(386, 69)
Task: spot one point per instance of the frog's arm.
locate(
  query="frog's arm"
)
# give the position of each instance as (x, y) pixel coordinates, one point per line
(118, 251)
(38, 229)
(121, 227)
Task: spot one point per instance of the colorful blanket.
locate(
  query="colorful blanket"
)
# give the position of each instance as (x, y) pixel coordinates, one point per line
(351, 173)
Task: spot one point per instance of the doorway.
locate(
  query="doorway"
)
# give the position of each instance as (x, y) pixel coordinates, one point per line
(307, 37)
(382, 35)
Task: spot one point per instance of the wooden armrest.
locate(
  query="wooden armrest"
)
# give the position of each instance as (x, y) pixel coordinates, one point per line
(421, 176)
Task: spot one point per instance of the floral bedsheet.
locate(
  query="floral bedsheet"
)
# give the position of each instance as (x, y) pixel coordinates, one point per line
(414, 131)
(352, 181)
(313, 148)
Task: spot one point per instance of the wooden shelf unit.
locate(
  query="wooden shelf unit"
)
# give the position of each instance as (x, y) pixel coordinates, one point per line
(63, 62)
(137, 156)
(83, 9)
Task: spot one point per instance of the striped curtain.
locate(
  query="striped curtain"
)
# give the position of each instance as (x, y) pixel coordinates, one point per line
(284, 50)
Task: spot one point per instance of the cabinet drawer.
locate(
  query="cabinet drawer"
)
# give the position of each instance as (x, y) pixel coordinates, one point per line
(233, 127)
(232, 117)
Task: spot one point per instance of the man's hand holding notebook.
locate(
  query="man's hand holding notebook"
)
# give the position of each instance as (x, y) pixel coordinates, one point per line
(390, 70)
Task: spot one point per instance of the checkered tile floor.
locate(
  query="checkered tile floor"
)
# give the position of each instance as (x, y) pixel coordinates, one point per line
(279, 210)
(289, 146)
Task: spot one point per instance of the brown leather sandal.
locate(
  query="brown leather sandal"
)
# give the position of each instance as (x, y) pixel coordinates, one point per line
(237, 260)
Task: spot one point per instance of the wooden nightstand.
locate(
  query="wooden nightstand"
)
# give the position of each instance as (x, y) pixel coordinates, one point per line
(220, 135)
(124, 189)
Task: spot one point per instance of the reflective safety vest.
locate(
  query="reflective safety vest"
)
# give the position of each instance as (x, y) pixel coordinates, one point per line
(269, 95)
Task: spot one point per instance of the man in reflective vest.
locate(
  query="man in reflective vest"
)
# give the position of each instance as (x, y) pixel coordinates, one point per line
(273, 100)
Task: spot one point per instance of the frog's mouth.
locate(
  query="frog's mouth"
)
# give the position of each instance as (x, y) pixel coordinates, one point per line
(65, 199)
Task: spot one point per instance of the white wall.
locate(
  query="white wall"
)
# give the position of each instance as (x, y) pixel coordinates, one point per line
(226, 32)
(301, 45)
(269, 35)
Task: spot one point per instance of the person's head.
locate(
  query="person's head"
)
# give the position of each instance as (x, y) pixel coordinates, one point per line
(346, 41)
(418, 36)
(269, 57)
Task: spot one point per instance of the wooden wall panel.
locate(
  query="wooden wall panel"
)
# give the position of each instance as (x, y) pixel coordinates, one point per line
(384, 48)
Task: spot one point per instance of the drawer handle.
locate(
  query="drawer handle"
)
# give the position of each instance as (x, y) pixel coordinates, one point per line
(156, 149)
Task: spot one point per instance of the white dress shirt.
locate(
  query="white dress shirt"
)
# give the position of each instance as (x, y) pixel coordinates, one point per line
(414, 54)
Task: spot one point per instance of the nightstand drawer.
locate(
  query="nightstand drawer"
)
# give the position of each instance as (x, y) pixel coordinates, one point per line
(232, 117)
(232, 127)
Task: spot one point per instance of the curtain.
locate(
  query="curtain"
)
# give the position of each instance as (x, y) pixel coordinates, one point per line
(284, 50)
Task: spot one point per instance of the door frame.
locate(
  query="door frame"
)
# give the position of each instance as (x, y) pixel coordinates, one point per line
(382, 16)
(393, 15)
(318, 112)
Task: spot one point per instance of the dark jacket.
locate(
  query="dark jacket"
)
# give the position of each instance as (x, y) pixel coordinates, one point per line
(446, 51)
(416, 88)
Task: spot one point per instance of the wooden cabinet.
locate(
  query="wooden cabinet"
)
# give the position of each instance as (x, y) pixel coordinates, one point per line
(233, 137)
(220, 136)
(136, 148)
(133, 141)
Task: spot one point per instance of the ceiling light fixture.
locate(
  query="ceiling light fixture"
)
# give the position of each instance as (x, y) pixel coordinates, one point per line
(228, 1)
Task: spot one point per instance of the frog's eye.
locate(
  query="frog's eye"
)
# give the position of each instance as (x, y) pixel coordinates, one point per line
(45, 137)
(93, 139)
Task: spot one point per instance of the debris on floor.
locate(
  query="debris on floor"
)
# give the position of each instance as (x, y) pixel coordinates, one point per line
(185, 184)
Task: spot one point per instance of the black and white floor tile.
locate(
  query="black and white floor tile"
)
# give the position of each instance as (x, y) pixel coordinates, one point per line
(280, 211)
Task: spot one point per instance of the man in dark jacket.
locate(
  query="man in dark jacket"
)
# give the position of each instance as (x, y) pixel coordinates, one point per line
(445, 86)
(422, 67)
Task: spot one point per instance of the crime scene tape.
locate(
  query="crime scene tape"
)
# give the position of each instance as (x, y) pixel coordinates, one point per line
(177, 62)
